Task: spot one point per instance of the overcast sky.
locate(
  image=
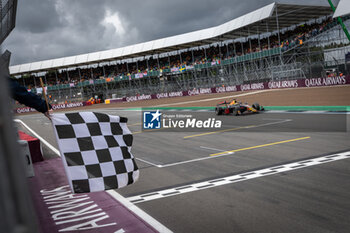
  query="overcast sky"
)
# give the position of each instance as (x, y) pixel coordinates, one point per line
(47, 29)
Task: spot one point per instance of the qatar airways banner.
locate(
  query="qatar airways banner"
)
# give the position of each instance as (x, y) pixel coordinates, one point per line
(225, 89)
(168, 95)
(313, 82)
(54, 107)
(139, 97)
(330, 81)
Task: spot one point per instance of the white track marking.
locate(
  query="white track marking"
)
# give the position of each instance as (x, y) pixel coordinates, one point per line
(192, 160)
(145, 161)
(210, 148)
(272, 123)
(57, 152)
(137, 211)
(237, 178)
(184, 162)
(140, 213)
(273, 119)
(210, 99)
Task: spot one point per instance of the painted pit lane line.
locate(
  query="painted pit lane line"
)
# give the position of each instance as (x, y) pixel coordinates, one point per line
(238, 177)
(133, 208)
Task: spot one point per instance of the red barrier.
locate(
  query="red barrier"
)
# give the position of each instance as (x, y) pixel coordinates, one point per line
(34, 146)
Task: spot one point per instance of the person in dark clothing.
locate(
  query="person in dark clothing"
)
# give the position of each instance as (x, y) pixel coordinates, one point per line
(29, 99)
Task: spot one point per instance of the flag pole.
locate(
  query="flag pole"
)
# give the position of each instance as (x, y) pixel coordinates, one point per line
(44, 93)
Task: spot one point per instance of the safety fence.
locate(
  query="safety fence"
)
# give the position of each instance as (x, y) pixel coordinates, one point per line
(297, 83)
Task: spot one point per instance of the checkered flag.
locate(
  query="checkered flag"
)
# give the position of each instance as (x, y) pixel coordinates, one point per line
(96, 151)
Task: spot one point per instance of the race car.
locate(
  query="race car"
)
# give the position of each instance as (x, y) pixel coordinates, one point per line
(236, 108)
(93, 100)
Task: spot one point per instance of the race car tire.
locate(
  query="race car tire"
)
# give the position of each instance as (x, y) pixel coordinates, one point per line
(256, 106)
(218, 111)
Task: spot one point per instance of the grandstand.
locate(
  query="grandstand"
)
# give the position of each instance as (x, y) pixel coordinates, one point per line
(278, 41)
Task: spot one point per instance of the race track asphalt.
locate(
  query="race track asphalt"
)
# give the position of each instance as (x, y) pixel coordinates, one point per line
(310, 199)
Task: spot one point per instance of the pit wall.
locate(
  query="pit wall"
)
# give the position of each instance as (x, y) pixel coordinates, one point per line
(299, 83)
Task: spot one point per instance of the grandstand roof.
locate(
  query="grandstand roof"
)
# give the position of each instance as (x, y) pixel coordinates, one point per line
(248, 24)
(343, 8)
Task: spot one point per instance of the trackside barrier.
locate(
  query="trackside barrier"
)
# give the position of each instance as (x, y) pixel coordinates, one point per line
(34, 145)
(297, 83)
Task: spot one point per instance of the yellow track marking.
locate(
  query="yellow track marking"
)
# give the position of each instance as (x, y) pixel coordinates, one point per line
(259, 146)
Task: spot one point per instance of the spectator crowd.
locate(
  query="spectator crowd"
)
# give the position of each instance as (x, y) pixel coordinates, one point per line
(177, 61)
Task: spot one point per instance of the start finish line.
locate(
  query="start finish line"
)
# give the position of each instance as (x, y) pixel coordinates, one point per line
(58, 210)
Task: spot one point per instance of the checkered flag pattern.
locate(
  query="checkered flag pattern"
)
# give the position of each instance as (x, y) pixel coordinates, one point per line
(96, 151)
